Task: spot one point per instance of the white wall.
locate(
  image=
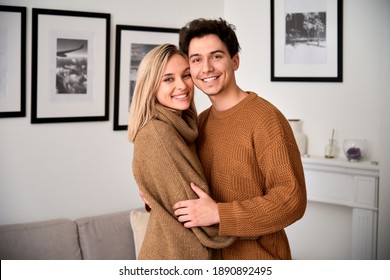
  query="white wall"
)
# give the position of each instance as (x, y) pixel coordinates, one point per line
(356, 108)
(384, 192)
(74, 170)
(79, 169)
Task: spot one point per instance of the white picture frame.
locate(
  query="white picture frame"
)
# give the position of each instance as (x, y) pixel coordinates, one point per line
(306, 40)
(70, 66)
(12, 61)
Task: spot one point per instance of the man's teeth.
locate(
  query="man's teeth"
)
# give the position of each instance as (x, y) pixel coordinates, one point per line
(209, 79)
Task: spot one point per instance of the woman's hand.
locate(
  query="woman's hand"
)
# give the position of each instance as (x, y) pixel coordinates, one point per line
(144, 199)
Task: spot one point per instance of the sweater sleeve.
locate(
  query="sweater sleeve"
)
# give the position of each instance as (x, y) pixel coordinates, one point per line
(282, 193)
(164, 166)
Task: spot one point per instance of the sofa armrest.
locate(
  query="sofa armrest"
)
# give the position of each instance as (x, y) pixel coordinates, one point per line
(47, 240)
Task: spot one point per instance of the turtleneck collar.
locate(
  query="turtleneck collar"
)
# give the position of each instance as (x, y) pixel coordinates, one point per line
(186, 124)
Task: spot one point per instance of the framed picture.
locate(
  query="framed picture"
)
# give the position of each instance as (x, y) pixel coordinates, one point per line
(307, 40)
(70, 66)
(132, 44)
(12, 61)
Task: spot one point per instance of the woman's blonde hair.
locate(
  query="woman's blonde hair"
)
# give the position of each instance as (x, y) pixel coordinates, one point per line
(150, 71)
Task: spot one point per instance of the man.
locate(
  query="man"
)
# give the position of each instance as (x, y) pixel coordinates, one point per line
(247, 149)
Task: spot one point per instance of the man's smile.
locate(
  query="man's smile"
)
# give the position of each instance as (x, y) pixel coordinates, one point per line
(209, 79)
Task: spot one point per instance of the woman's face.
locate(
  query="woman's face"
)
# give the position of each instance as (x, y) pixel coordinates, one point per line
(176, 89)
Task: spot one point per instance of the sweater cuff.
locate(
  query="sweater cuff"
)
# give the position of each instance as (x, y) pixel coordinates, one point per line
(227, 222)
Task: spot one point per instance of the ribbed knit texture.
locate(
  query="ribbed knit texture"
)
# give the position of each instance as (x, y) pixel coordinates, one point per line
(165, 162)
(253, 166)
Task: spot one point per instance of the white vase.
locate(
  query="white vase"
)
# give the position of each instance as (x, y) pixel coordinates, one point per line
(300, 137)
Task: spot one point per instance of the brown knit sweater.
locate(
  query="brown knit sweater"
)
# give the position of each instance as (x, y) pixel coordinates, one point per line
(253, 166)
(165, 162)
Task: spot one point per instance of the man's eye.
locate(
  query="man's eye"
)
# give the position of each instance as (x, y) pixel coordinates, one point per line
(195, 60)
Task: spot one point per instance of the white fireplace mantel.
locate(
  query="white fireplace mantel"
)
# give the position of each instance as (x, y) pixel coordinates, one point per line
(349, 184)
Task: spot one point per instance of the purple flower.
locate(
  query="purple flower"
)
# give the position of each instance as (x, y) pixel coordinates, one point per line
(354, 153)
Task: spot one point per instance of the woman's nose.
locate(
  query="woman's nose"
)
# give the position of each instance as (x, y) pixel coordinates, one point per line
(181, 84)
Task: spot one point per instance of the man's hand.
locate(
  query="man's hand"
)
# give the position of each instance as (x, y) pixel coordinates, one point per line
(197, 212)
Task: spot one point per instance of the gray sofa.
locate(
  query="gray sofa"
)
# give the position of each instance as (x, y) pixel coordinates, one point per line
(103, 237)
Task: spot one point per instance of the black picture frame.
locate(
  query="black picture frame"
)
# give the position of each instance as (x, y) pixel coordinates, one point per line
(13, 61)
(132, 44)
(70, 66)
(306, 41)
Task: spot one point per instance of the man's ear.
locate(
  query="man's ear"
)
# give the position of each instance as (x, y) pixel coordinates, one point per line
(236, 61)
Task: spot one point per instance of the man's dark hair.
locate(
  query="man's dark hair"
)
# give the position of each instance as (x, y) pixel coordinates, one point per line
(202, 27)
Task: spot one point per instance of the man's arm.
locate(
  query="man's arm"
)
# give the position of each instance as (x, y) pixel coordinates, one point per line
(197, 212)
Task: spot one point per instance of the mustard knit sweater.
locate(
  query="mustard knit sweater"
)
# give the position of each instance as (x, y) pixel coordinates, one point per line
(253, 167)
(165, 162)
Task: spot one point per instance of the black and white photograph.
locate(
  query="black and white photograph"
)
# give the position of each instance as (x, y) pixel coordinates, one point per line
(70, 76)
(72, 66)
(132, 44)
(12, 61)
(306, 40)
(306, 37)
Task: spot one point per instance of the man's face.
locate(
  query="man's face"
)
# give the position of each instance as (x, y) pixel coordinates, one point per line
(212, 68)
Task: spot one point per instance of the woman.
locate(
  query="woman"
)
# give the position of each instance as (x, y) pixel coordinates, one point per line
(163, 128)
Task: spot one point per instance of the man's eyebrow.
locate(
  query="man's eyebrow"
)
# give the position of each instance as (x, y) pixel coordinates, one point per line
(195, 54)
(213, 52)
(217, 51)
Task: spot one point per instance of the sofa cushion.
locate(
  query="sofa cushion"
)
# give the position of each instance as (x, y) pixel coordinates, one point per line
(47, 240)
(106, 237)
(139, 221)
